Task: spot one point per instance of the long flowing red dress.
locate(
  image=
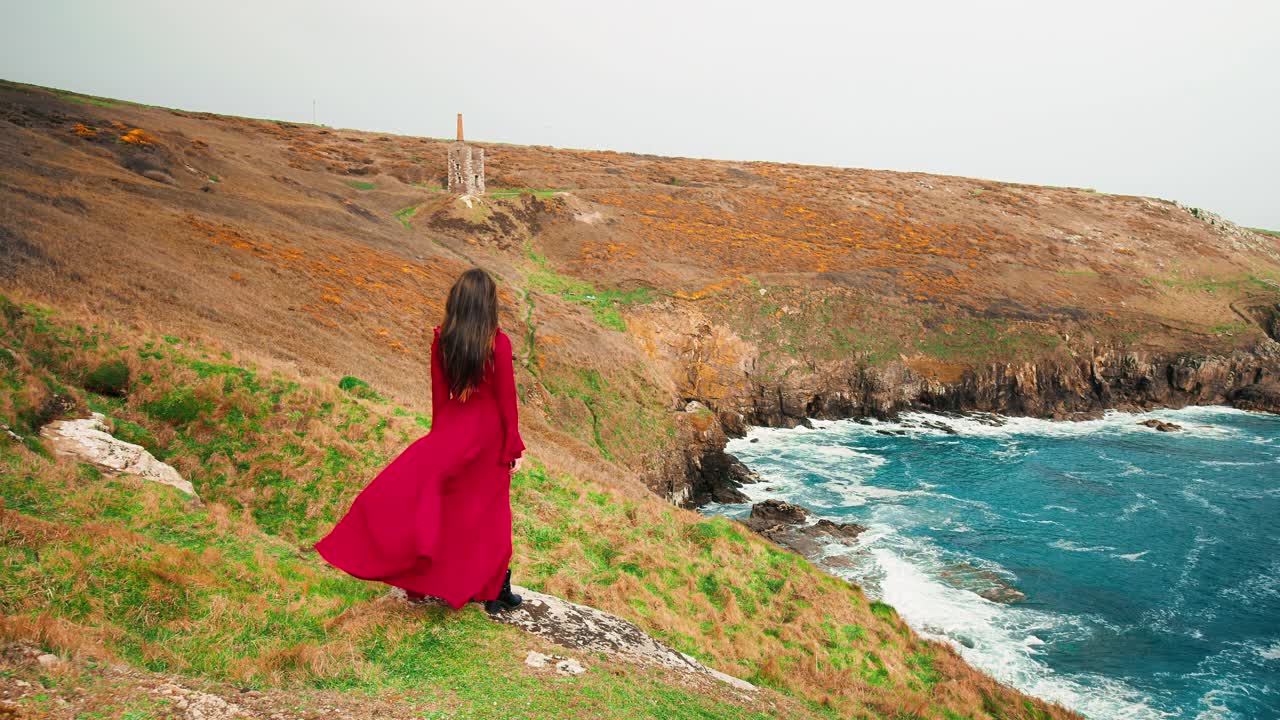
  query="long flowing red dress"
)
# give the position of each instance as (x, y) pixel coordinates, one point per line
(437, 520)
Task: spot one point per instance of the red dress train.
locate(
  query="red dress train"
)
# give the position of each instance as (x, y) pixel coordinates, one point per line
(437, 520)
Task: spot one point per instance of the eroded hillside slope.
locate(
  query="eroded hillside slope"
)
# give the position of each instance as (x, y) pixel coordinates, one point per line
(767, 292)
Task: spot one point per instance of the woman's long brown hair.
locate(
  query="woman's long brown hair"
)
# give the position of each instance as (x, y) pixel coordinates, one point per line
(466, 336)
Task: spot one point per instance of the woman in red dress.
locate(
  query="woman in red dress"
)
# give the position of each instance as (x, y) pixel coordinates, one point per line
(437, 520)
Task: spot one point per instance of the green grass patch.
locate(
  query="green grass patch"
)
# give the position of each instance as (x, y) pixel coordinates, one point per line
(1230, 285)
(108, 378)
(357, 387)
(180, 407)
(516, 192)
(977, 339)
(883, 610)
(405, 215)
(88, 100)
(605, 305)
(361, 184)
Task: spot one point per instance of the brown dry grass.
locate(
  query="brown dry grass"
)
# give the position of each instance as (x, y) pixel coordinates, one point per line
(283, 267)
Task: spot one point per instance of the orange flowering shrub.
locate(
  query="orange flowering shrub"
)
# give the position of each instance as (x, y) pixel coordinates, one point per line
(347, 280)
(762, 232)
(84, 131)
(139, 137)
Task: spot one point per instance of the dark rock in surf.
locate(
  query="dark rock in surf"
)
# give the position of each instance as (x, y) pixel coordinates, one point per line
(940, 426)
(774, 512)
(842, 530)
(984, 583)
(786, 525)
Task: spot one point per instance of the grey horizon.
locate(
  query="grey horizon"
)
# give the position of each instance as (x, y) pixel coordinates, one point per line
(1169, 99)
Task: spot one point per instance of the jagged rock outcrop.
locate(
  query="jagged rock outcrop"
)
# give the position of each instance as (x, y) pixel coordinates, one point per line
(787, 525)
(88, 441)
(1263, 397)
(704, 472)
(1060, 386)
(774, 512)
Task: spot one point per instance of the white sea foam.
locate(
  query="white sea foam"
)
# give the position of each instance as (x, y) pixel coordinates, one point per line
(1194, 421)
(1191, 495)
(1129, 467)
(1132, 557)
(855, 493)
(1262, 587)
(1073, 547)
(1143, 502)
(1220, 671)
(1002, 640)
(1213, 709)
(1228, 463)
(1161, 618)
(1012, 451)
(842, 452)
(831, 464)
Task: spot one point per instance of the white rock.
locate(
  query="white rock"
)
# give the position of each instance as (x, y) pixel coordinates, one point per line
(590, 630)
(48, 660)
(536, 659)
(87, 440)
(569, 666)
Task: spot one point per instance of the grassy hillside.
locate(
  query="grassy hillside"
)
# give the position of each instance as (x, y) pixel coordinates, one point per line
(118, 569)
(636, 282)
(252, 301)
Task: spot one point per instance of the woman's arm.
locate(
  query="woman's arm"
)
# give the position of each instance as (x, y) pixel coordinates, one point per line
(439, 388)
(504, 379)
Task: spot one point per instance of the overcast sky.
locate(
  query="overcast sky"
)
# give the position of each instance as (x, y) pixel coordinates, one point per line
(1179, 100)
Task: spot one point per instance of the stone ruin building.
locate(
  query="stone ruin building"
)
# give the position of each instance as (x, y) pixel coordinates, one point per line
(466, 166)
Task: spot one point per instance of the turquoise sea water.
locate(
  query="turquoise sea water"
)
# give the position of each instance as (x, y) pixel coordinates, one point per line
(1150, 561)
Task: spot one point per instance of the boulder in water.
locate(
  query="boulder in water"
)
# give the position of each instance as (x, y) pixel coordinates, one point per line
(786, 525)
(985, 583)
(1161, 425)
(774, 512)
(826, 527)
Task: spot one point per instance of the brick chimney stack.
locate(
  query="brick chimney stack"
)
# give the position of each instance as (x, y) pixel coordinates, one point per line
(466, 166)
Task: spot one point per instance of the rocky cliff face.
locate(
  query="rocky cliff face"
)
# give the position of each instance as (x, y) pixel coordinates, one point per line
(1061, 386)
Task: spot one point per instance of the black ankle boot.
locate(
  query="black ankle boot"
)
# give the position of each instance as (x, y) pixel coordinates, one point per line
(506, 599)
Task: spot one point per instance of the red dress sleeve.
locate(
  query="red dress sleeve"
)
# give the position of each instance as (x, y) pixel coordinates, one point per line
(504, 387)
(439, 386)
